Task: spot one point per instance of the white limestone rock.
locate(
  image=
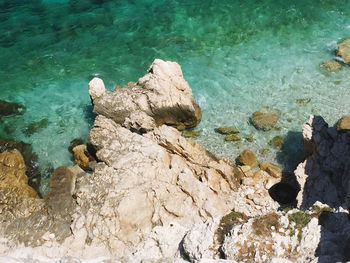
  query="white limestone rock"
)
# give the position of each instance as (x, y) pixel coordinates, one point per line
(162, 96)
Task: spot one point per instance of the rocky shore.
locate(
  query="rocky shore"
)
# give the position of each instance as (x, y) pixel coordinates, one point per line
(142, 192)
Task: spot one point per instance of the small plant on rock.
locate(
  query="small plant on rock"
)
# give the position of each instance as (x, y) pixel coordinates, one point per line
(301, 219)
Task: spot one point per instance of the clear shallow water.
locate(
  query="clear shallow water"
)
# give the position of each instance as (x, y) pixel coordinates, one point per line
(237, 56)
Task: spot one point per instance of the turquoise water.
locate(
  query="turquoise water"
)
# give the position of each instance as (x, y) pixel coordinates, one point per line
(236, 55)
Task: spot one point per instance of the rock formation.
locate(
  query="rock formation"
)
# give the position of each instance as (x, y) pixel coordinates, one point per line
(343, 50)
(154, 195)
(162, 96)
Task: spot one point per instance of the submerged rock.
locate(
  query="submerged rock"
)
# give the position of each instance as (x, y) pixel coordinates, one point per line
(162, 96)
(190, 134)
(35, 127)
(276, 142)
(331, 66)
(11, 108)
(232, 138)
(343, 50)
(227, 130)
(302, 102)
(265, 119)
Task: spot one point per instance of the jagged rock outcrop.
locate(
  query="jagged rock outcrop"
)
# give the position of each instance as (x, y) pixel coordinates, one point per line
(324, 176)
(162, 96)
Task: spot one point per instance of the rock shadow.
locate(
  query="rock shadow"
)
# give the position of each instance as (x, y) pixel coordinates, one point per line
(290, 154)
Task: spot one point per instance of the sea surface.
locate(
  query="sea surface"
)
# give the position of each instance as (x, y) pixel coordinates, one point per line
(237, 56)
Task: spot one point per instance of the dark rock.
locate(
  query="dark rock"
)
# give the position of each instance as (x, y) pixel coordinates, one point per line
(35, 127)
(11, 108)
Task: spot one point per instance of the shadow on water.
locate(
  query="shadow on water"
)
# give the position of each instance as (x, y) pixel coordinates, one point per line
(89, 115)
(326, 182)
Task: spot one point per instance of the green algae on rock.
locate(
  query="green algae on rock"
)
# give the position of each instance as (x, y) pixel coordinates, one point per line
(302, 102)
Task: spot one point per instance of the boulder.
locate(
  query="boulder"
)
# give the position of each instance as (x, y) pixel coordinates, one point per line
(331, 66)
(265, 119)
(344, 124)
(11, 108)
(343, 50)
(247, 157)
(162, 96)
(271, 169)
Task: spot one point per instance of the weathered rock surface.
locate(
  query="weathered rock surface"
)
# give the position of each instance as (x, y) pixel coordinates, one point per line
(265, 119)
(343, 50)
(162, 96)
